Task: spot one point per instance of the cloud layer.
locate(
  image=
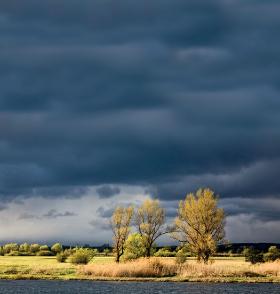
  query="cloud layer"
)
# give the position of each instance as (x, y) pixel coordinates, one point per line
(167, 95)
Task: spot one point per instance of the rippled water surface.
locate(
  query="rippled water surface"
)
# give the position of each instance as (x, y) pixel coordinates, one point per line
(69, 287)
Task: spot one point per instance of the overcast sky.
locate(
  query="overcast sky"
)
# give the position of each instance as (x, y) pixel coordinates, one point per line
(111, 102)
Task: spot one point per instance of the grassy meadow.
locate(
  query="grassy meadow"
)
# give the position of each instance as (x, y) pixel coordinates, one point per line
(226, 269)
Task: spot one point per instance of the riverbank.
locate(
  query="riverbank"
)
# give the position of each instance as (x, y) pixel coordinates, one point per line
(222, 270)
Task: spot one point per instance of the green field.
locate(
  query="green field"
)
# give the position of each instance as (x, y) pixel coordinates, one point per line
(40, 267)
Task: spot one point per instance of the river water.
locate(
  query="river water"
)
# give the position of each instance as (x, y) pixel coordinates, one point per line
(81, 287)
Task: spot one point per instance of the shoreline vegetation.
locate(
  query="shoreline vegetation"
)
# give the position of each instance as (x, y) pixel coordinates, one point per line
(198, 229)
(154, 269)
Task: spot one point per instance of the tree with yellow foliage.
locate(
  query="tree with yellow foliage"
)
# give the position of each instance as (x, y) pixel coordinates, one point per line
(120, 223)
(200, 223)
(149, 219)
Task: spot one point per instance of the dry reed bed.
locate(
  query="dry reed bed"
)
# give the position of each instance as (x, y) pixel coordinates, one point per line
(153, 267)
(230, 270)
(158, 267)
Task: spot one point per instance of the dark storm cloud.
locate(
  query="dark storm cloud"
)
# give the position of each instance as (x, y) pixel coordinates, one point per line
(261, 209)
(105, 212)
(108, 191)
(168, 94)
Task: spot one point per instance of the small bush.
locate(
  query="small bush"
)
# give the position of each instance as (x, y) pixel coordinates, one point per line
(181, 256)
(165, 252)
(57, 248)
(82, 256)
(10, 247)
(34, 248)
(253, 255)
(44, 247)
(272, 254)
(69, 252)
(44, 253)
(24, 247)
(134, 247)
(61, 257)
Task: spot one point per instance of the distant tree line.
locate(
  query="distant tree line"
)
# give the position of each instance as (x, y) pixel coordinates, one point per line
(254, 255)
(76, 255)
(25, 249)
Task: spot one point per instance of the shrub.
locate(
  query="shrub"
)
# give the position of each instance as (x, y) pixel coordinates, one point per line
(181, 256)
(82, 256)
(272, 254)
(165, 252)
(24, 247)
(44, 247)
(34, 248)
(253, 255)
(69, 252)
(246, 251)
(134, 247)
(2, 251)
(10, 247)
(44, 253)
(61, 257)
(57, 248)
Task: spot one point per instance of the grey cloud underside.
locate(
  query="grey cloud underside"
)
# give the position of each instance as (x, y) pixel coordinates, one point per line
(169, 94)
(51, 214)
(108, 191)
(101, 224)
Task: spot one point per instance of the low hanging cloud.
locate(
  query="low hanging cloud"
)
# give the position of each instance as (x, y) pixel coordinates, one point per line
(51, 214)
(108, 191)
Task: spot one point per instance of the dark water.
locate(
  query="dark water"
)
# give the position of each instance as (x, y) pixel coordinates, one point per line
(69, 287)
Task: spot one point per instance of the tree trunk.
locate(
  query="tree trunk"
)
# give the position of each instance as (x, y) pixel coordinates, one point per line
(205, 257)
(118, 258)
(148, 252)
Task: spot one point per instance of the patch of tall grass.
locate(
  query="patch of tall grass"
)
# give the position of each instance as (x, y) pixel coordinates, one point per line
(153, 267)
(159, 267)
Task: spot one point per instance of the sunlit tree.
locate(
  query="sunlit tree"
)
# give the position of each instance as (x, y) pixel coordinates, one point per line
(200, 223)
(150, 218)
(120, 223)
(134, 247)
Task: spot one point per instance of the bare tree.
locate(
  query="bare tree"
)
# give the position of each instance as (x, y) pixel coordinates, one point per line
(120, 223)
(200, 223)
(149, 220)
